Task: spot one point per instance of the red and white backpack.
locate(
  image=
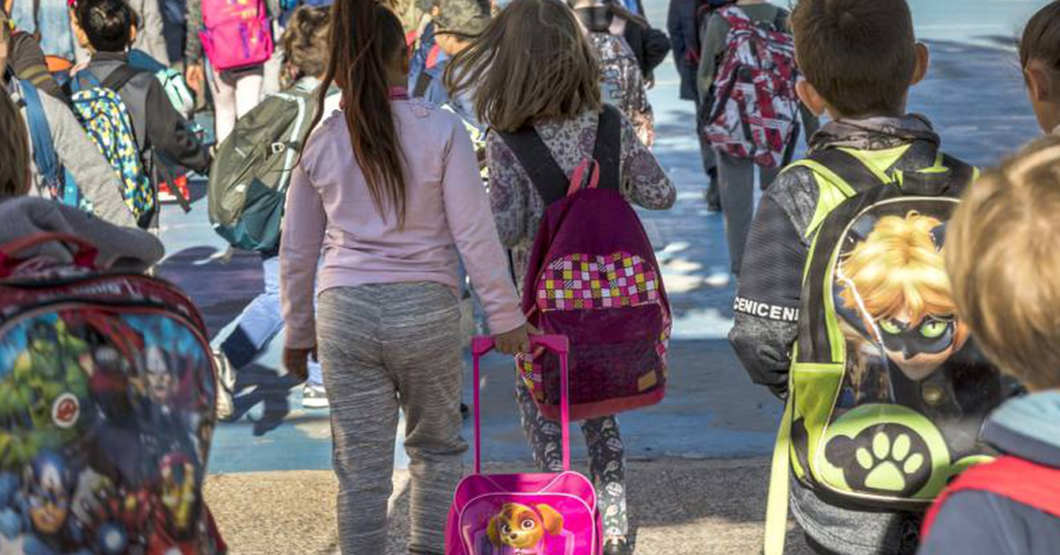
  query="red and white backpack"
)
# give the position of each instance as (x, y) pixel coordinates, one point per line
(756, 109)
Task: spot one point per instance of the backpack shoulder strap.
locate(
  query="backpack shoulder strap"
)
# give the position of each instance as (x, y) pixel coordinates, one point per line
(120, 77)
(1019, 480)
(44, 155)
(844, 169)
(608, 149)
(548, 178)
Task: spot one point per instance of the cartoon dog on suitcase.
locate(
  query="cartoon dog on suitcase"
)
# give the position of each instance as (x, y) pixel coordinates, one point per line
(522, 529)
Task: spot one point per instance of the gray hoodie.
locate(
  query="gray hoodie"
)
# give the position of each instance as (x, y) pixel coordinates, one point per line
(94, 175)
(126, 249)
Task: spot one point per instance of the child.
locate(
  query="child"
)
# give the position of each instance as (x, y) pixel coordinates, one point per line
(108, 28)
(1005, 282)
(305, 46)
(236, 90)
(557, 91)
(859, 60)
(1040, 59)
(623, 81)
(389, 192)
(735, 175)
(62, 138)
(120, 249)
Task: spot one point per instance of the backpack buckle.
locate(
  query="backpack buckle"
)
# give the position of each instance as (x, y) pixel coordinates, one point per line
(277, 148)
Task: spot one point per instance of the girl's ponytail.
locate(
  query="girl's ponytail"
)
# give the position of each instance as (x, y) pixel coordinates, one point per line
(366, 38)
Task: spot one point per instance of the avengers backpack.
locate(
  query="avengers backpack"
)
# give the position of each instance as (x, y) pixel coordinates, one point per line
(107, 394)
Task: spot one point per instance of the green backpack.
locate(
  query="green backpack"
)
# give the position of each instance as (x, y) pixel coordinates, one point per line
(887, 390)
(253, 168)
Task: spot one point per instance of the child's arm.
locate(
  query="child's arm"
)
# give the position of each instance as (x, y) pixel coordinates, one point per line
(467, 211)
(509, 190)
(643, 180)
(712, 41)
(770, 288)
(169, 134)
(300, 245)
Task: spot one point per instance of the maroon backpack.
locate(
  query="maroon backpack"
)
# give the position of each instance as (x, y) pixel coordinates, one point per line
(592, 277)
(755, 113)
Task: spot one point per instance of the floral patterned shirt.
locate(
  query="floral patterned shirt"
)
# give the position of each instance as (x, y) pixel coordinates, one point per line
(517, 207)
(623, 85)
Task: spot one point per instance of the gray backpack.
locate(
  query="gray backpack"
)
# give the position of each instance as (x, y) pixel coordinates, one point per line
(253, 168)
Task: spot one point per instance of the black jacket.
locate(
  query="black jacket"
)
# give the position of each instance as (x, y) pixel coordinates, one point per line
(980, 523)
(157, 123)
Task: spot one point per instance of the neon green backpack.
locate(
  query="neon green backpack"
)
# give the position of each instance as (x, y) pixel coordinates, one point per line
(887, 390)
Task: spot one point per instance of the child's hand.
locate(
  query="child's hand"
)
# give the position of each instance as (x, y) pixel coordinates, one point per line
(516, 341)
(297, 362)
(195, 76)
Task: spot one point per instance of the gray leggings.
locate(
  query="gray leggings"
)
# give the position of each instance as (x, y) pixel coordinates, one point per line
(607, 458)
(385, 347)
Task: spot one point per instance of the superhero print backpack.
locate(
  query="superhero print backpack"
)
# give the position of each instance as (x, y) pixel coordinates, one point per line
(888, 390)
(107, 393)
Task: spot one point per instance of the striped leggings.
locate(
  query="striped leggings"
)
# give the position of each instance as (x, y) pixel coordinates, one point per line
(385, 347)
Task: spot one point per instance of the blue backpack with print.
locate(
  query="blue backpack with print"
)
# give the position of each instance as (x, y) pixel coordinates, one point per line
(105, 117)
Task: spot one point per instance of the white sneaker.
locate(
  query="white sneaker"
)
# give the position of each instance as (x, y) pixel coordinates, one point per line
(314, 397)
(226, 383)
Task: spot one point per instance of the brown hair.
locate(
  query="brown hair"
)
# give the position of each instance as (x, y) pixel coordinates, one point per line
(531, 64)
(1004, 267)
(14, 151)
(860, 55)
(1041, 40)
(365, 39)
(305, 41)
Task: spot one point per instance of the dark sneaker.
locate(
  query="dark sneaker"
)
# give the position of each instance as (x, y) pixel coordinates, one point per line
(314, 397)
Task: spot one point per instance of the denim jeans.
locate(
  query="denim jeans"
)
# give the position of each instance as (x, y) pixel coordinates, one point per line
(56, 35)
(260, 322)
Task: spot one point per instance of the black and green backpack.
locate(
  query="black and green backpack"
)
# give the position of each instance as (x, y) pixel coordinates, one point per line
(253, 168)
(888, 391)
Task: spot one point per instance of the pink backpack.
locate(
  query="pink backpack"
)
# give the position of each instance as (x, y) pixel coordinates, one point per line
(756, 107)
(524, 514)
(593, 277)
(235, 33)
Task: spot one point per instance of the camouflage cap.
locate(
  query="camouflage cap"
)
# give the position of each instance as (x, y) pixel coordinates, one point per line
(463, 16)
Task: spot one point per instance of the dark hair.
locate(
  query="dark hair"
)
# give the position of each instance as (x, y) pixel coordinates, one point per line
(1041, 39)
(305, 42)
(860, 55)
(108, 24)
(365, 38)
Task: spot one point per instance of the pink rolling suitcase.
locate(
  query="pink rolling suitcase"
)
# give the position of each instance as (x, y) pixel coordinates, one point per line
(524, 514)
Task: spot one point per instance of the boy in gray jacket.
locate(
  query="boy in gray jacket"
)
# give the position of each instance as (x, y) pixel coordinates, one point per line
(73, 148)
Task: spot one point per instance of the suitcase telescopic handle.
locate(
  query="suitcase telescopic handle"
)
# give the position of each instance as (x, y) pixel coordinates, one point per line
(480, 346)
